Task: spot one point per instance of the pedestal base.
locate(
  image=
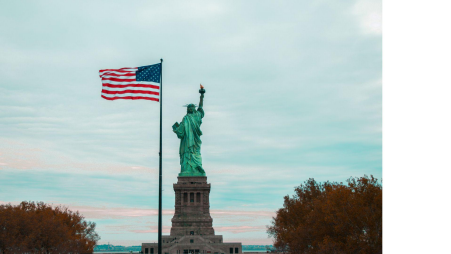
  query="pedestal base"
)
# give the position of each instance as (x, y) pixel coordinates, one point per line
(192, 207)
(192, 226)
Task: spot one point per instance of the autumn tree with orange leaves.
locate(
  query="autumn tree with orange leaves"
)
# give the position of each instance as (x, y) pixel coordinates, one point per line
(40, 228)
(331, 218)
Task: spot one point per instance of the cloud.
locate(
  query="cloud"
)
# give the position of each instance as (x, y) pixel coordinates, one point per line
(165, 230)
(137, 229)
(93, 212)
(240, 229)
(23, 156)
(369, 13)
(118, 212)
(219, 213)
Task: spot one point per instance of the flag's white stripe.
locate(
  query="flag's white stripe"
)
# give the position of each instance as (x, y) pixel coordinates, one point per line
(115, 72)
(130, 82)
(131, 88)
(121, 77)
(130, 69)
(131, 94)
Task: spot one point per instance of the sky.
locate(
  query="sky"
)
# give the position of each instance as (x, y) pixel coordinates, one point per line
(293, 91)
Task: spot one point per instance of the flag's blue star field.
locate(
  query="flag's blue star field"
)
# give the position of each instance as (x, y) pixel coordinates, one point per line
(149, 73)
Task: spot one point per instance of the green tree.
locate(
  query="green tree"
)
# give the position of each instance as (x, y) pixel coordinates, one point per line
(40, 228)
(331, 218)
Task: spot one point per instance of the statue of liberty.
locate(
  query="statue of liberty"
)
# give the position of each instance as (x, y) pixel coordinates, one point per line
(188, 131)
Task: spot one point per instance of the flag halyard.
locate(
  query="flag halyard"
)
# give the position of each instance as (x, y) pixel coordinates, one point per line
(131, 83)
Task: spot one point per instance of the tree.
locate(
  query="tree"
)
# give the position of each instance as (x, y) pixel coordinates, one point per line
(40, 228)
(331, 218)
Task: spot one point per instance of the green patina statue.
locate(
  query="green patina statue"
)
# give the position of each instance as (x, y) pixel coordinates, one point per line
(188, 131)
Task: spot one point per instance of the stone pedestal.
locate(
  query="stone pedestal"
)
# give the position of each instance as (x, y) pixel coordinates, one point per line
(192, 226)
(192, 207)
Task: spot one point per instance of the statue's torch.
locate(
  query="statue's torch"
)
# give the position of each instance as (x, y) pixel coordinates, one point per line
(201, 90)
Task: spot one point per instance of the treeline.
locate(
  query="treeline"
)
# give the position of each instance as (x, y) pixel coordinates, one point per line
(331, 218)
(40, 228)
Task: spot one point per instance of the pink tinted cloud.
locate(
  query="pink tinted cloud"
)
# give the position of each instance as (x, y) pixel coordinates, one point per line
(252, 241)
(227, 213)
(240, 229)
(136, 228)
(117, 213)
(93, 212)
(153, 229)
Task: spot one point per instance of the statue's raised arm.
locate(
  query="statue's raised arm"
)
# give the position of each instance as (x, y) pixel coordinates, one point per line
(201, 91)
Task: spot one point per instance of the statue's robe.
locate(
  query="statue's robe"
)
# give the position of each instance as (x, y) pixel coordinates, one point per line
(189, 134)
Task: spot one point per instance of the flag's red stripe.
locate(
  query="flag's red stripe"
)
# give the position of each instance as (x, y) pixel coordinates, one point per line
(130, 98)
(130, 91)
(121, 69)
(131, 85)
(112, 72)
(120, 79)
(122, 73)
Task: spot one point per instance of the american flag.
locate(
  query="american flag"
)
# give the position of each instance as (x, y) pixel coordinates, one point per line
(131, 83)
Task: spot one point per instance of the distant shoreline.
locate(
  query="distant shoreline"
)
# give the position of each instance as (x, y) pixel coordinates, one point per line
(118, 252)
(118, 249)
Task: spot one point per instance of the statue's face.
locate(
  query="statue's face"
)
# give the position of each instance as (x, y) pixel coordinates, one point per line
(191, 109)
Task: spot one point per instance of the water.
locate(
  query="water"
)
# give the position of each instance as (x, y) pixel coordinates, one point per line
(123, 252)
(136, 252)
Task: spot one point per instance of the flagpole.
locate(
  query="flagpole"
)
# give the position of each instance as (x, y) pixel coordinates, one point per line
(160, 174)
